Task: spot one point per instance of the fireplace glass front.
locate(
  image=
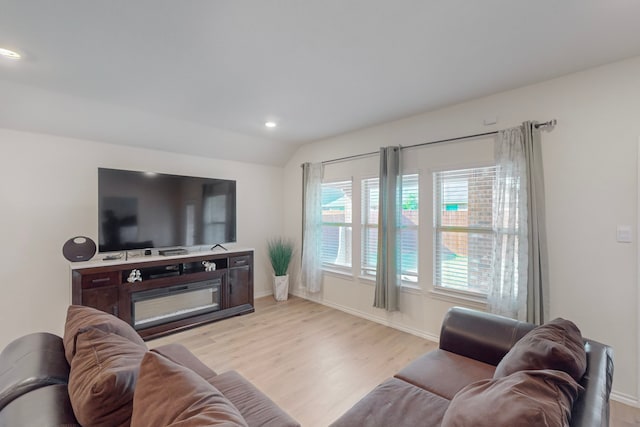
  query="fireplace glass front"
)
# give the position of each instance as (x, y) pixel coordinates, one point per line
(162, 305)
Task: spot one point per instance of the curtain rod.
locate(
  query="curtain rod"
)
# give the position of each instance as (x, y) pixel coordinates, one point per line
(549, 123)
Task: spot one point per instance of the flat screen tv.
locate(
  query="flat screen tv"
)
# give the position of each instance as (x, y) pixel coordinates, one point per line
(142, 210)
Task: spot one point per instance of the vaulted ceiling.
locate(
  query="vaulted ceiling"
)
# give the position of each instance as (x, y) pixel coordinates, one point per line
(203, 76)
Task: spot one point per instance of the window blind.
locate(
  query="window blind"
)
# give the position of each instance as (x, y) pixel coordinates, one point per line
(408, 227)
(463, 228)
(369, 239)
(337, 223)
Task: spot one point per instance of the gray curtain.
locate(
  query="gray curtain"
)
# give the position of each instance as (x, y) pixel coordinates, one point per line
(311, 263)
(507, 294)
(389, 215)
(538, 275)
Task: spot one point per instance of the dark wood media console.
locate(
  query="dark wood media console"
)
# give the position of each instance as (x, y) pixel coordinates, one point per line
(161, 295)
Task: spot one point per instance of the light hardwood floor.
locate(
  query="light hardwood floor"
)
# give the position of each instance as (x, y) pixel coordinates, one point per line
(624, 416)
(314, 361)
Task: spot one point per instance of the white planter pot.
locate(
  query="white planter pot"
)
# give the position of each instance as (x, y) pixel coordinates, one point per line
(281, 287)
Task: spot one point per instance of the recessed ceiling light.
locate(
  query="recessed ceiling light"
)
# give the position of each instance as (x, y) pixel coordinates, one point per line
(271, 124)
(9, 54)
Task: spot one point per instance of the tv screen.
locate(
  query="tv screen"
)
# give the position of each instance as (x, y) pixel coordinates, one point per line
(140, 210)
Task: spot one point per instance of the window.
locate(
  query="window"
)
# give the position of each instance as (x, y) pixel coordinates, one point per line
(336, 224)
(370, 194)
(408, 227)
(463, 231)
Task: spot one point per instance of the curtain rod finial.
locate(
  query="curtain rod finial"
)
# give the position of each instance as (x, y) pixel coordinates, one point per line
(551, 123)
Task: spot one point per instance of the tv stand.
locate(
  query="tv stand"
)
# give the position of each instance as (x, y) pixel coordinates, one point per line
(165, 294)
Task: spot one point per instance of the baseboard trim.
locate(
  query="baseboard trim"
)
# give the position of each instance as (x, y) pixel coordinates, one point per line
(376, 319)
(262, 294)
(625, 399)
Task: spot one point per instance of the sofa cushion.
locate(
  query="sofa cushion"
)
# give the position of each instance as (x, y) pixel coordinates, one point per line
(395, 403)
(444, 373)
(554, 345)
(168, 394)
(181, 355)
(103, 377)
(256, 408)
(80, 317)
(525, 398)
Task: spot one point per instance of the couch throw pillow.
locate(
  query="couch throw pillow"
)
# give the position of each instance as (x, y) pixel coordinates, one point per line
(80, 317)
(169, 394)
(540, 398)
(555, 345)
(103, 377)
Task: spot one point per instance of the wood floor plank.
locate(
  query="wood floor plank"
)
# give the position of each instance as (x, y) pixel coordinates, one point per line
(314, 361)
(624, 415)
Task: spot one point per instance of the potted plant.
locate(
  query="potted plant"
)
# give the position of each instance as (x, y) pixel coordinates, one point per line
(280, 254)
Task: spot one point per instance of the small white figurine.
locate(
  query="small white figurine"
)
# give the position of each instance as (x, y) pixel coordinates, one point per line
(134, 276)
(209, 266)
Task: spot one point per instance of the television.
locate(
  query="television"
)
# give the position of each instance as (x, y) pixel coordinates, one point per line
(143, 210)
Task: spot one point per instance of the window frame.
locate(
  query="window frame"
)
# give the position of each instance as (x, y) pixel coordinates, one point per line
(335, 267)
(451, 293)
(367, 273)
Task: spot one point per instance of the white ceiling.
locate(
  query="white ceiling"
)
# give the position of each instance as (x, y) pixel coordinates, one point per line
(202, 76)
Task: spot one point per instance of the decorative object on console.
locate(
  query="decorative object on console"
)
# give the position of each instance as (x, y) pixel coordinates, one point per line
(209, 266)
(79, 248)
(134, 276)
(280, 254)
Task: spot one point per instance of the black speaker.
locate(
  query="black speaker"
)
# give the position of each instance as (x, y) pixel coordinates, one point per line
(79, 248)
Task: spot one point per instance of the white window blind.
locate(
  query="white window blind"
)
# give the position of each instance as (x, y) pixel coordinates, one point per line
(463, 228)
(369, 234)
(336, 224)
(408, 227)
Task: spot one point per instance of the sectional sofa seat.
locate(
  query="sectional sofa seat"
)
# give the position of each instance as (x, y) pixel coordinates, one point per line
(494, 371)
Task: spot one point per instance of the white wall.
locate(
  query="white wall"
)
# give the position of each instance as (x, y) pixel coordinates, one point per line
(590, 166)
(49, 194)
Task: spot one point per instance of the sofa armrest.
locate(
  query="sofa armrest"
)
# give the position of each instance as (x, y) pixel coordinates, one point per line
(31, 362)
(592, 407)
(182, 356)
(481, 336)
(47, 406)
